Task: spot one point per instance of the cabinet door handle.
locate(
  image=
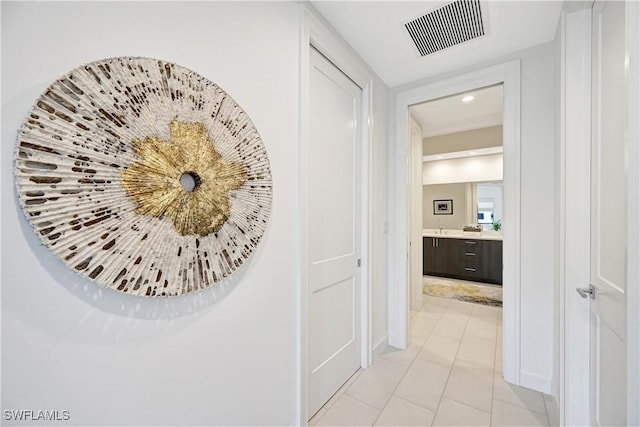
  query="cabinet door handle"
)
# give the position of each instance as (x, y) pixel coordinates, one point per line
(470, 253)
(469, 242)
(469, 269)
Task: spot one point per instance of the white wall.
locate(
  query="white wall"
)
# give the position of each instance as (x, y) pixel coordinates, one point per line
(455, 192)
(223, 356)
(536, 189)
(380, 220)
(558, 300)
(465, 169)
(537, 225)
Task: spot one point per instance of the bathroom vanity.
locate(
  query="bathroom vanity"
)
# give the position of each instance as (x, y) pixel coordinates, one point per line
(466, 256)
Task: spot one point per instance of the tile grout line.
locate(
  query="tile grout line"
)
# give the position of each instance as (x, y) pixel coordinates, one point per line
(394, 389)
(327, 406)
(413, 359)
(416, 356)
(431, 332)
(519, 406)
(469, 317)
(393, 393)
(451, 369)
(362, 401)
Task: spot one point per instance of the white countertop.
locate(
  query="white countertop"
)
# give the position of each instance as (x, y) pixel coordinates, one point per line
(459, 234)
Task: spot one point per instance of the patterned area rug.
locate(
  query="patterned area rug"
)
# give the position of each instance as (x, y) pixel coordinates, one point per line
(461, 290)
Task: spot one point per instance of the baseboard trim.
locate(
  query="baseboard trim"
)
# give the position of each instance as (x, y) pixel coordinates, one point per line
(535, 382)
(379, 347)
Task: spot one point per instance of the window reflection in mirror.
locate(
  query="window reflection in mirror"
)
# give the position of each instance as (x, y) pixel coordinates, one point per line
(488, 205)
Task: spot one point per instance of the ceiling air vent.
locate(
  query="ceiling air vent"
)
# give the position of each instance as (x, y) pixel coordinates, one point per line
(447, 26)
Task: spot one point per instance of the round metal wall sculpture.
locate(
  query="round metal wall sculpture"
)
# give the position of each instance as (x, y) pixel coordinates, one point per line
(143, 176)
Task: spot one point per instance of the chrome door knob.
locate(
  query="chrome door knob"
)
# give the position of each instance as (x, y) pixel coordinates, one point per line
(587, 292)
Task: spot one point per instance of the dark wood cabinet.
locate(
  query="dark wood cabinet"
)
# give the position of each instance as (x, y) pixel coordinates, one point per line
(429, 256)
(438, 256)
(468, 259)
(494, 261)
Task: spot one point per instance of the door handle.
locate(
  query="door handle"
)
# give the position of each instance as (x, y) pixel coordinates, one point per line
(587, 292)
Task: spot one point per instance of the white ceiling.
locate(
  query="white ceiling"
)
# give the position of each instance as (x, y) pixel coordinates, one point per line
(375, 30)
(450, 114)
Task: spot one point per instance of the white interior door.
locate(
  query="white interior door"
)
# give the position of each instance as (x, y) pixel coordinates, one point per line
(333, 191)
(608, 216)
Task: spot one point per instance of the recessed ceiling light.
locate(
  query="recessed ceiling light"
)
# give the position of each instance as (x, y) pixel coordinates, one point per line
(468, 98)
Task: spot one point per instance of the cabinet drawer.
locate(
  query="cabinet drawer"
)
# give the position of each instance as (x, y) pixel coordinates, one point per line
(470, 243)
(470, 254)
(471, 269)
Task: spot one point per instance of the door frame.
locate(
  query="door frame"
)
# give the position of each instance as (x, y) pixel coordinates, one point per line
(575, 129)
(507, 74)
(415, 216)
(574, 253)
(316, 33)
(633, 241)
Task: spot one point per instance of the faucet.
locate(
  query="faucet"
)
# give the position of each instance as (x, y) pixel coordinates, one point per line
(441, 227)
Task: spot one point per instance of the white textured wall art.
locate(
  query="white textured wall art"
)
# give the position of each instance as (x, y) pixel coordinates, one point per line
(143, 176)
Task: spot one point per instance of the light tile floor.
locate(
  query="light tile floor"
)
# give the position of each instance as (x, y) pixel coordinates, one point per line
(451, 375)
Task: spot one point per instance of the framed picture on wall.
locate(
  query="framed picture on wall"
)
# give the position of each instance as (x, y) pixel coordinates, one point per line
(443, 207)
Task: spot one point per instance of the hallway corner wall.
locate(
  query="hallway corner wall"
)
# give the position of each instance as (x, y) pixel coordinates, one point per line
(379, 217)
(537, 238)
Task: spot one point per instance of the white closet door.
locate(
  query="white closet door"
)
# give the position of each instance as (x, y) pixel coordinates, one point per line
(333, 191)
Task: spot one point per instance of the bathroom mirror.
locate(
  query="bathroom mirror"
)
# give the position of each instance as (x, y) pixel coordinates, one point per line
(475, 203)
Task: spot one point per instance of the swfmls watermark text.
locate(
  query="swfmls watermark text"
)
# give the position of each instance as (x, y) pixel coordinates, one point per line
(37, 415)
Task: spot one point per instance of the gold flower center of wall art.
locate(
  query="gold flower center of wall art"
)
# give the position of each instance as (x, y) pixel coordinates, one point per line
(184, 179)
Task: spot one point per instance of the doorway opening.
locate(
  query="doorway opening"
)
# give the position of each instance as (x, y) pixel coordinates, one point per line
(507, 74)
(456, 205)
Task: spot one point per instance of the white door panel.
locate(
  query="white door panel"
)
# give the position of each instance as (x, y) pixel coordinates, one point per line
(608, 216)
(331, 166)
(333, 192)
(329, 332)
